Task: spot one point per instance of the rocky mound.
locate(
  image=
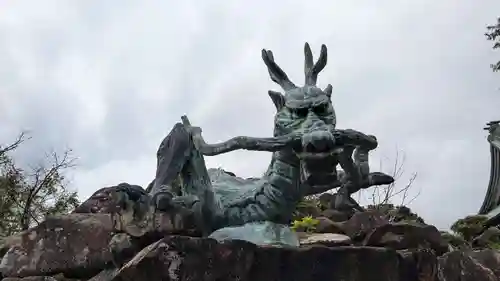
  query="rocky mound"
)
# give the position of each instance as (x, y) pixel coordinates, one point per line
(105, 240)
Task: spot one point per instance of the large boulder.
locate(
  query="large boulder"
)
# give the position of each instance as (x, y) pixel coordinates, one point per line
(115, 235)
(455, 242)
(80, 245)
(113, 199)
(7, 242)
(489, 238)
(132, 212)
(407, 235)
(186, 258)
(460, 265)
(420, 264)
(362, 223)
(335, 215)
(90, 247)
(489, 258)
(396, 213)
(102, 201)
(75, 244)
(326, 225)
(31, 278)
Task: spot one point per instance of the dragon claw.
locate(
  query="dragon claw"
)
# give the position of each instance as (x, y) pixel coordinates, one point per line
(343, 201)
(378, 178)
(163, 201)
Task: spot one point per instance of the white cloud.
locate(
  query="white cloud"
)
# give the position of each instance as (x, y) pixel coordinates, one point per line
(111, 78)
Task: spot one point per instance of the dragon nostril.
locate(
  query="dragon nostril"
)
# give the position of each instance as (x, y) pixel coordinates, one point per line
(320, 146)
(311, 147)
(317, 141)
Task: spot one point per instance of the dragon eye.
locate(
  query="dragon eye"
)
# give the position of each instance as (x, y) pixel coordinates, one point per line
(321, 109)
(300, 112)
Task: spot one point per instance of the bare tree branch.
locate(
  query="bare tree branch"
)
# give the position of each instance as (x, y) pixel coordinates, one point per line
(4, 150)
(384, 194)
(492, 35)
(28, 195)
(43, 177)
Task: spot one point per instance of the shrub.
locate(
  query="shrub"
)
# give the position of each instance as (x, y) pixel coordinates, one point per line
(306, 224)
(456, 241)
(469, 227)
(309, 206)
(397, 213)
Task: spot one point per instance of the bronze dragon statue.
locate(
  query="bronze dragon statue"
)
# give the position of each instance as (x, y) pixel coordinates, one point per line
(307, 148)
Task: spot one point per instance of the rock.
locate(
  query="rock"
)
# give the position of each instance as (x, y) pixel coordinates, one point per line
(323, 263)
(133, 214)
(325, 239)
(419, 264)
(189, 258)
(403, 213)
(459, 265)
(123, 247)
(81, 244)
(31, 278)
(99, 202)
(177, 221)
(75, 244)
(402, 235)
(338, 211)
(489, 237)
(327, 200)
(362, 223)
(396, 213)
(186, 258)
(325, 225)
(7, 242)
(455, 241)
(335, 215)
(470, 226)
(106, 275)
(489, 258)
(111, 199)
(58, 277)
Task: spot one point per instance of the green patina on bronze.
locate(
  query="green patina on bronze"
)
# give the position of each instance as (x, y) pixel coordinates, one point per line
(306, 147)
(491, 204)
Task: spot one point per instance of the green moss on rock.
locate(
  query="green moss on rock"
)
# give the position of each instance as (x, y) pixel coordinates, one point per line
(469, 227)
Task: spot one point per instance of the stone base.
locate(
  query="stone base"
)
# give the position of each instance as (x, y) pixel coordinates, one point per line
(111, 247)
(186, 258)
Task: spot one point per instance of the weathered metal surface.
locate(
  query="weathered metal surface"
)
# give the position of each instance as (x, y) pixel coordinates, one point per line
(307, 147)
(491, 204)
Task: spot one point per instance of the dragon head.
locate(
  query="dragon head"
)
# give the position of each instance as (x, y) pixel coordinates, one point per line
(306, 110)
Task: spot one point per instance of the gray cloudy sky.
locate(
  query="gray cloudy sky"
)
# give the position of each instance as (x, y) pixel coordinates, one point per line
(110, 78)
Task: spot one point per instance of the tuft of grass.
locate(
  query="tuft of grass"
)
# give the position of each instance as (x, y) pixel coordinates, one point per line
(306, 224)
